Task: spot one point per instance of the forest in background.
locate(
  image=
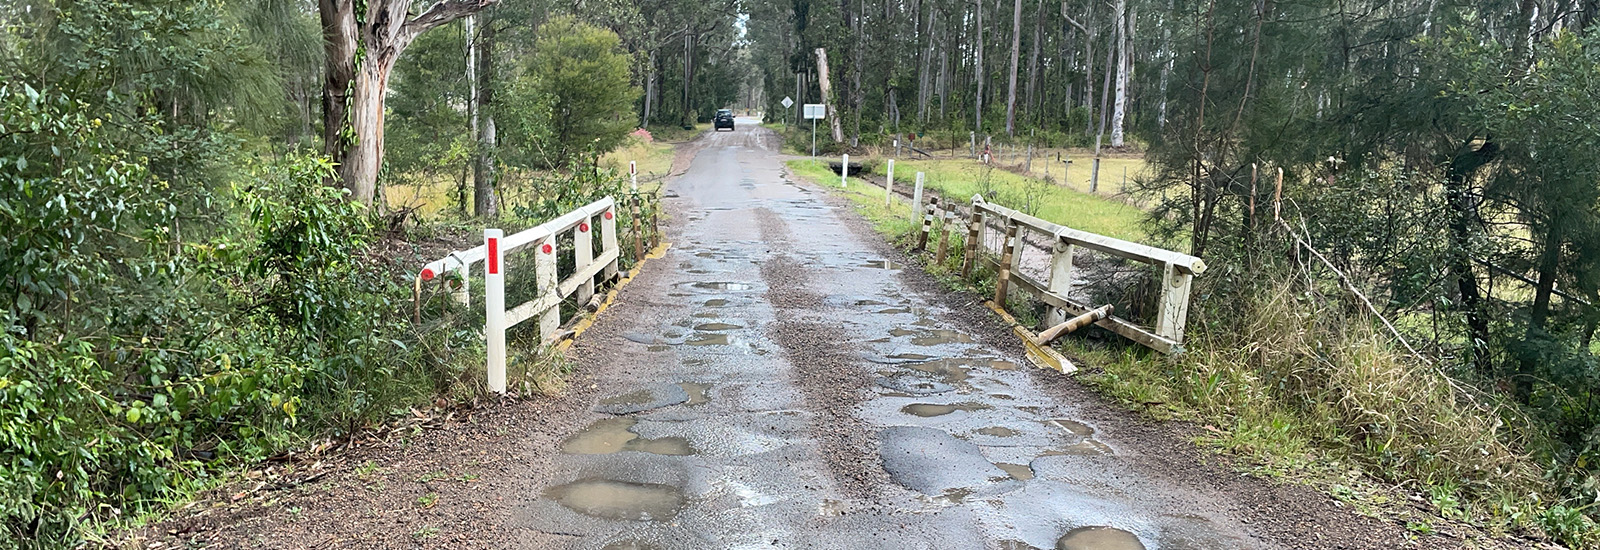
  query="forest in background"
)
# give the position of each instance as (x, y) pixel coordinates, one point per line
(1426, 306)
(200, 271)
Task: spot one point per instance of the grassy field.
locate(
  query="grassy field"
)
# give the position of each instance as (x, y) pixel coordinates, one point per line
(960, 180)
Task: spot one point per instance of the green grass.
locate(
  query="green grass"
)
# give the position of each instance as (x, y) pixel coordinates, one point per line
(654, 159)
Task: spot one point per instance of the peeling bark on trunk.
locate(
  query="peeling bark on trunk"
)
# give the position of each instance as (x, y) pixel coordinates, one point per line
(827, 95)
(1120, 105)
(1016, 51)
(485, 204)
(353, 95)
(1029, 106)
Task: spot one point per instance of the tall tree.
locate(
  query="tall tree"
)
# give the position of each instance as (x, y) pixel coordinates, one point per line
(360, 51)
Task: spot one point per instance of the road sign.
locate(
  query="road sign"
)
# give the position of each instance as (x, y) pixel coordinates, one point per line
(787, 103)
(815, 111)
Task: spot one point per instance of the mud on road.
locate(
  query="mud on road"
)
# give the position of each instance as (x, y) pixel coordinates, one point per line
(782, 379)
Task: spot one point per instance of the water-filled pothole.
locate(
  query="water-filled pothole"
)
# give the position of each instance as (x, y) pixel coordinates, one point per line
(951, 370)
(1071, 426)
(1020, 472)
(881, 264)
(697, 393)
(703, 339)
(927, 410)
(997, 431)
(614, 435)
(938, 337)
(724, 285)
(998, 364)
(716, 302)
(894, 310)
(911, 356)
(1099, 538)
(716, 327)
(1087, 447)
(611, 499)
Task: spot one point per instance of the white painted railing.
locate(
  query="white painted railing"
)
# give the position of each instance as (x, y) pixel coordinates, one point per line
(551, 287)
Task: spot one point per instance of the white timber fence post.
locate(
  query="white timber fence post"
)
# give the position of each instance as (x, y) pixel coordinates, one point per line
(582, 256)
(1060, 278)
(608, 239)
(494, 297)
(916, 200)
(844, 171)
(888, 185)
(1173, 312)
(544, 276)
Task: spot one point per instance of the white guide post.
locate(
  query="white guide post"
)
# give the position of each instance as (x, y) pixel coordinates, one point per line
(583, 255)
(608, 238)
(844, 171)
(633, 175)
(916, 200)
(888, 185)
(544, 274)
(494, 325)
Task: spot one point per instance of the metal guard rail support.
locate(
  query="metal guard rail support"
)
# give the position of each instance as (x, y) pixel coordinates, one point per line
(1178, 271)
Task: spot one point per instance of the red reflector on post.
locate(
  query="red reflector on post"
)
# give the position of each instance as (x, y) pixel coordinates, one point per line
(547, 249)
(427, 274)
(608, 215)
(494, 256)
(583, 227)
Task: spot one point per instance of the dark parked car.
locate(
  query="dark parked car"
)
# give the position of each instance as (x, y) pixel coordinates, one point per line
(724, 119)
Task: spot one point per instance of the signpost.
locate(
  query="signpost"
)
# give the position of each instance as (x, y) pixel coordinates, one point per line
(787, 103)
(815, 111)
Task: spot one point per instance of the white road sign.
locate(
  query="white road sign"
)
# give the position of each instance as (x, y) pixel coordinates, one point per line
(815, 111)
(787, 103)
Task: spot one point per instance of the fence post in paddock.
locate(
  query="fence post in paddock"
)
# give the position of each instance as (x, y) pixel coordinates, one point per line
(1094, 176)
(582, 256)
(608, 239)
(927, 223)
(545, 277)
(1028, 167)
(945, 228)
(494, 322)
(1060, 278)
(916, 199)
(1004, 278)
(638, 235)
(1173, 311)
(974, 232)
(888, 185)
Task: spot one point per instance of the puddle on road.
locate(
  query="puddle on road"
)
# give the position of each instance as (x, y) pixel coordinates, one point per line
(697, 393)
(903, 332)
(881, 264)
(614, 435)
(708, 340)
(715, 327)
(928, 410)
(895, 310)
(630, 545)
(997, 431)
(861, 303)
(1020, 472)
(999, 364)
(911, 356)
(716, 302)
(914, 385)
(951, 370)
(1071, 426)
(705, 315)
(611, 499)
(724, 285)
(941, 336)
(1099, 538)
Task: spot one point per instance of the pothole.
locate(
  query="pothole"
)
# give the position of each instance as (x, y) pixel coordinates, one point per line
(611, 499)
(881, 264)
(1099, 538)
(999, 364)
(708, 340)
(997, 431)
(1071, 426)
(614, 435)
(716, 302)
(1020, 472)
(1087, 447)
(724, 285)
(715, 327)
(914, 385)
(928, 410)
(951, 370)
(697, 393)
(939, 337)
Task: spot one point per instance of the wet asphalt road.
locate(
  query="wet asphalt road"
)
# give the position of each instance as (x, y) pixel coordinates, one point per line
(772, 382)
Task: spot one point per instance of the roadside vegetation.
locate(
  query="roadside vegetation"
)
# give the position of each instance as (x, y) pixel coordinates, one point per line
(199, 273)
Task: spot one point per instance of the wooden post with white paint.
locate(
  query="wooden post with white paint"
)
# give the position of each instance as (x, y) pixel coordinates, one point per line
(582, 256)
(545, 277)
(1173, 311)
(1060, 282)
(927, 223)
(916, 199)
(974, 233)
(608, 239)
(888, 185)
(1003, 280)
(638, 233)
(494, 322)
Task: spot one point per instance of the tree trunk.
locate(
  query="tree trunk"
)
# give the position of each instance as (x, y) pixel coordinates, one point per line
(977, 102)
(1016, 51)
(827, 95)
(1105, 96)
(1119, 109)
(352, 95)
(484, 204)
(1166, 66)
(1089, 35)
(1033, 62)
(649, 89)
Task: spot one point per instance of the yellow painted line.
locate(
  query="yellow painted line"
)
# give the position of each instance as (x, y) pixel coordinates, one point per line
(586, 322)
(1041, 356)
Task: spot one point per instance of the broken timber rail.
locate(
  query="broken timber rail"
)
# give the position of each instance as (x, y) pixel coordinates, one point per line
(1177, 272)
